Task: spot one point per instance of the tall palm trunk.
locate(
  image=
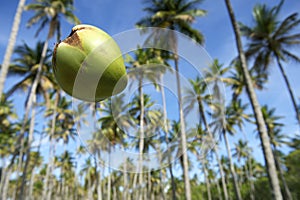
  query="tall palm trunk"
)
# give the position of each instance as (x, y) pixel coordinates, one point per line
(141, 143)
(215, 149)
(250, 177)
(51, 148)
(287, 192)
(232, 170)
(6, 180)
(99, 189)
(125, 180)
(207, 183)
(166, 130)
(268, 156)
(288, 85)
(28, 157)
(30, 196)
(187, 185)
(11, 44)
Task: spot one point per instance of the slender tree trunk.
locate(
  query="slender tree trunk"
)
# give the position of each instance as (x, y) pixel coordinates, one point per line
(11, 44)
(109, 176)
(30, 196)
(250, 176)
(161, 188)
(28, 157)
(125, 180)
(207, 183)
(232, 170)
(288, 85)
(166, 130)
(109, 187)
(268, 156)
(134, 186)
(51, 148)
(6, 183)
(218, 189)
(149, 185)
(99, 190)
(215, 149)
(187, 185)
(288, 195)
(141, 143)
(49, 171)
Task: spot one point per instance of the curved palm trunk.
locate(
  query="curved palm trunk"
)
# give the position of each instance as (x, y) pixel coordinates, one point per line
(233, 174)
(187, 186)
(288, 85)
(11, 44)
(215, 149)
(268, 156)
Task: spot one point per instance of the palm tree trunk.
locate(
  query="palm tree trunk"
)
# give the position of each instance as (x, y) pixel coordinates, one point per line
(215, 149)
(141, 143)
(288, 195)
(109, 176)
(99, 190)
(11, 44)
(6, 183)
(207, 183)
(134, 187)
(187, 185)
(233, 174)
(250, 177)
(125, 180)
(288, 85)
(30, 139)
(218, 189)
(51, 148)
(268, 156)
(109, 186)
(163, 96)
(32, 173)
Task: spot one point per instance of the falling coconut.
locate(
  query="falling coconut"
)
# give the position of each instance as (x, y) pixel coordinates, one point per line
(88, 64)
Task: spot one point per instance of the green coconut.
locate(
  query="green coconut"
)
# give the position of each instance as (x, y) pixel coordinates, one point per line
(88, 64)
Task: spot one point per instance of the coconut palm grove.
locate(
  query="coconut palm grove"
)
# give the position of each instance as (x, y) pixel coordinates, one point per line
(207, 106)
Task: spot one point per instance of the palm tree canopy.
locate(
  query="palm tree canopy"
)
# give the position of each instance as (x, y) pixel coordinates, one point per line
(175, 15)
(50, 11)
(25, 65)
(269, 37)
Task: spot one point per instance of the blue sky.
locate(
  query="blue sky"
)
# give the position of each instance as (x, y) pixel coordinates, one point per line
(121, 15)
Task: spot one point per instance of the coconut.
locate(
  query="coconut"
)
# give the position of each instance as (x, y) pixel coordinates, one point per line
(88, 64)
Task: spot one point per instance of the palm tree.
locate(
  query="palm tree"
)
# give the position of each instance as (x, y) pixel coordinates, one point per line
(197, 95)
(237, 82)
(47, 12)
(8, 135)
(25, 65)
(144, 66)
(269, 159)
(11, 44)
(176, 15)
(243, 151)
(234, 116)
(270, 39)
